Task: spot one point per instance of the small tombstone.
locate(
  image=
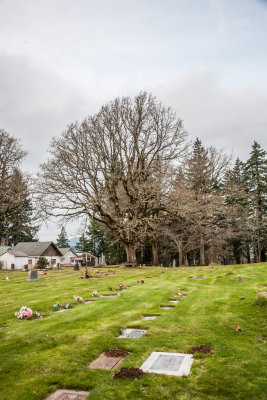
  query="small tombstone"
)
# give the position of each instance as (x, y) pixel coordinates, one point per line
(177, 364)
(76, 267)
(132, 333)
(32, 276)
(150, 317)
(66, 394)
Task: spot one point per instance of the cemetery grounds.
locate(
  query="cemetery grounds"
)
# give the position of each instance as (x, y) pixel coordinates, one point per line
(39, 356)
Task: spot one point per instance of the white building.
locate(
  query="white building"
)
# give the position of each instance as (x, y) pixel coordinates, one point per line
(68, 256)
(34, 250)
(13, 259)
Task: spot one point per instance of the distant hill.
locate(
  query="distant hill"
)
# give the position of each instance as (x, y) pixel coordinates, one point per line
(73, 242)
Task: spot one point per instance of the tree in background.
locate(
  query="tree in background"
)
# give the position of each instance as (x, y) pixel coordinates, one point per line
(17, 221)
(255, 181)
(113, 165)
(62, 240)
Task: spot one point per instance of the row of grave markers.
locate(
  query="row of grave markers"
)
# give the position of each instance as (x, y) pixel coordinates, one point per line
(176, 364)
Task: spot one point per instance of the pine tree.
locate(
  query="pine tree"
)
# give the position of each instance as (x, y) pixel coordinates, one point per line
(82, 246)
(255, 180)
(19, 224)
(62, 240)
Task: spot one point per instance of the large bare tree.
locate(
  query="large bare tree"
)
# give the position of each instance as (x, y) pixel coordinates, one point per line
(111, 167)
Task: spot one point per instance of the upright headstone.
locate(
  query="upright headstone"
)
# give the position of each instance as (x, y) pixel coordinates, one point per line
(32, 276)
(174, 263)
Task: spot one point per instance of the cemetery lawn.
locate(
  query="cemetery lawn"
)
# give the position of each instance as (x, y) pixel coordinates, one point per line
(40, 356)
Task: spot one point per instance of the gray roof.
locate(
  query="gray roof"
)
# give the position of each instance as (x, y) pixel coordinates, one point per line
(34, 249)
(64, 250)
(4, 249)
(18, 253)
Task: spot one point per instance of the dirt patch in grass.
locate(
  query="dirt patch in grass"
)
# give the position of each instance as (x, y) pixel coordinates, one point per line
(116, 352)
(242, 298)
(201, 349)
(229, 273)
(129, 373)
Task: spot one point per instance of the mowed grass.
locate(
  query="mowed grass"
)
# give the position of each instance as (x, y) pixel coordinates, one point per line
(40, 356)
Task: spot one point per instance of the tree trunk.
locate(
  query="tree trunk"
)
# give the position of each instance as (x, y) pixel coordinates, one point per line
(131, 253)
(155, 253)
(180, 250)
(202, 251)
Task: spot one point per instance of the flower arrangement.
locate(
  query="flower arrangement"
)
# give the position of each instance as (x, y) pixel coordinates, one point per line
(121, 286)
(95, 293)
(27, 313)
(57, 305)
(142, 281)
(78, 299)
(239, 329)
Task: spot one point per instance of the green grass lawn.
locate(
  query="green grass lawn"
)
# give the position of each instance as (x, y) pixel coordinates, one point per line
(40, 356)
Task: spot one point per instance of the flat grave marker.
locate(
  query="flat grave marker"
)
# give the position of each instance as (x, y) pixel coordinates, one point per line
(104, 362)
(32, 276)
(167, 307)
(177, 364)
(66, 394)
(88, 301)
(132, 333)
(173, 301)
(63, 309)
(110, 295)
(149, 317)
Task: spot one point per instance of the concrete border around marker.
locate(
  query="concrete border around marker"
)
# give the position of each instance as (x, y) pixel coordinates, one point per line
(183, 370)
(57, 393)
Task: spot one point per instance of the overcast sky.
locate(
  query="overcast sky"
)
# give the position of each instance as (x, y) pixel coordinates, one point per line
(60, 60)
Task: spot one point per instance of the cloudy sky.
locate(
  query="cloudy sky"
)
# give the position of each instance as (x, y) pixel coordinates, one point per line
(60, 60)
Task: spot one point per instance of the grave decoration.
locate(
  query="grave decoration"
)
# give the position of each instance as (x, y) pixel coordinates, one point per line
(121, 286)
(78, 299)
(95, 293)
(60, 306)
(239, 329)
(177, 364)
(85, 274)
(240, 278)
(180, 294)
(27, 313)
(141, 281)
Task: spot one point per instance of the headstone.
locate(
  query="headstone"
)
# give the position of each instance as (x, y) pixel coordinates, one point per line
(66, 394)
(132, 333)
(177, 364)
(150, 317)
(76, 267)
(32, 276)
(167, 308)
(104, 362)
(174, 263)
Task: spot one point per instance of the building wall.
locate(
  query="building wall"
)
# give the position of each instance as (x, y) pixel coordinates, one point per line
(66, 259)
(8, 259)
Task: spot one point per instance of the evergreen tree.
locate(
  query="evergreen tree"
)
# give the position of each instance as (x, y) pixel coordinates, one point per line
(62, 240)
(19, 224)
(82, 246)
(255, 180)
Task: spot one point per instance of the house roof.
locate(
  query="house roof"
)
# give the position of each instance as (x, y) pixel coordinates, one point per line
(34, 249)
(4, 249)
(64, 250)
(17, 253)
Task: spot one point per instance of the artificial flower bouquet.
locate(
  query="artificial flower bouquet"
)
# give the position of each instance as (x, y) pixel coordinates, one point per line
(78, 299)
(27, 313)
(60, 307)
